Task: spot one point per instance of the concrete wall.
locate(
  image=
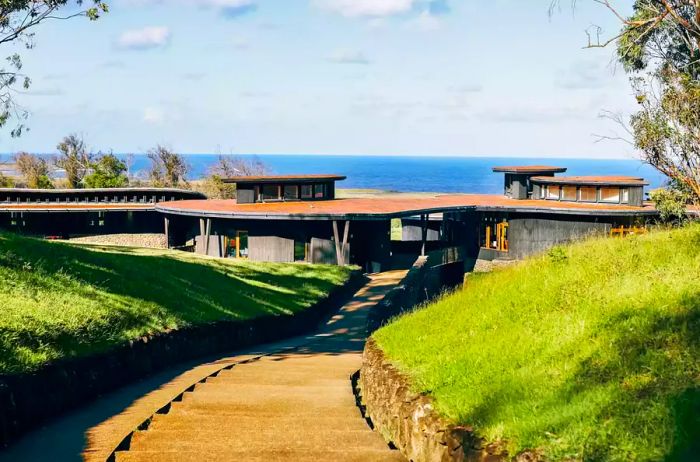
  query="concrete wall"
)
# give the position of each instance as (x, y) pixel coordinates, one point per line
(271, 249)
(411, 230)
(216, 246)
(527, 236)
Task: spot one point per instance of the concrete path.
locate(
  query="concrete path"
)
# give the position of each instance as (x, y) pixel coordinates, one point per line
(289, 402)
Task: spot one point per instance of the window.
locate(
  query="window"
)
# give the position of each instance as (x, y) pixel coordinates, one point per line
(625, 196)
(291, 192)
(611, 195)
(307, 191)
(588, 194)
(270, 192)
(568, 193)
(319, 191)
(552, 192)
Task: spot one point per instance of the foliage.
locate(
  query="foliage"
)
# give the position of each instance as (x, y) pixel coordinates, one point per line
(6, 182)
(167, 169)
(34, 170)
(659, 44)
(589, 352)
(231, 166)
(671, 204)
(107, 171)
(62, 300)
(667, 126)
(18, 20)
(74, 158)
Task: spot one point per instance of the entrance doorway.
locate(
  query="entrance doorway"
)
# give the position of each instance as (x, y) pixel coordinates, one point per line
(238, 246)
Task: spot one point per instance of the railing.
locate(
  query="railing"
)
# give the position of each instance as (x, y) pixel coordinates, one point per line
(621, 231)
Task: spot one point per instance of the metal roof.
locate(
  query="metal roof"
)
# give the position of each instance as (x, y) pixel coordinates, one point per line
(283, 179)
(591, 180)
(529, 169)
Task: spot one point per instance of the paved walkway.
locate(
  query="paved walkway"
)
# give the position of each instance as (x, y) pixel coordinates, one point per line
(287, 402)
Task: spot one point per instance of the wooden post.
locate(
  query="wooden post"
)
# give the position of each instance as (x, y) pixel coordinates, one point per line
(346, 235)
(424, 233)
(336, 237)
(167, 232)
(202, 229)
(207, 237)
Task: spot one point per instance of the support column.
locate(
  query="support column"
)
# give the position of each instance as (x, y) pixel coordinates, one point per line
(207, 237)
(424, 233)
(167, 231)
(341, 246)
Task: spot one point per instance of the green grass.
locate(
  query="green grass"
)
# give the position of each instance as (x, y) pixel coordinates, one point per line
(63, 300)
(590, 352)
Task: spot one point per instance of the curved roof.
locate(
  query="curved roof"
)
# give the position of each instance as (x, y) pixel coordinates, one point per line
(529, 169)
(384, 208)
(284, 179)
(592, 180)
(103, 190)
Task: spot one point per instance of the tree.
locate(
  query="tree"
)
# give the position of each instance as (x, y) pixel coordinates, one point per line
(659, 45)
(6, 182)
(167, 169)
(107, 171)
(74, 158)
(227, 167)
(34, 170)
(18, 19)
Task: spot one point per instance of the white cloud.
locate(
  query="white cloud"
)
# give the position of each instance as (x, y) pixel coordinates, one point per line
(228, 8)
(367, 8)
(153, 115)
(348, 57)
(584, 75)
(145, 38)
(426, 21)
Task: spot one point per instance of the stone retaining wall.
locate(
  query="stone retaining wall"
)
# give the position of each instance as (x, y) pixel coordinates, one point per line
(405, 418)
(27, 400)
(408, 420)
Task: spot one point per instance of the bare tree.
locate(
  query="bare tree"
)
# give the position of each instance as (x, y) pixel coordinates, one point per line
(74, 158)
(34, 170)
(228, 167)
(659, 45)
(167, 169)
(18, 19)
(231, 166)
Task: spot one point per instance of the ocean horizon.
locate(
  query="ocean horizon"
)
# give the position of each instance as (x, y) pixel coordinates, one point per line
(440, 174)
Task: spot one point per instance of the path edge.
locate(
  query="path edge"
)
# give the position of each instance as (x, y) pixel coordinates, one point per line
(29, 400)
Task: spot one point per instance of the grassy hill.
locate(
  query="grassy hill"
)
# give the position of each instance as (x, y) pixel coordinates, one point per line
(61, 299)
(590, 352)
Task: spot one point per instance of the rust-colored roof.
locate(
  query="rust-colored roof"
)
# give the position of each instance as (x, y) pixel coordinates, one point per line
(380, 208)
(592, 180)
(74, 206)
(283, 178)
(532, 169)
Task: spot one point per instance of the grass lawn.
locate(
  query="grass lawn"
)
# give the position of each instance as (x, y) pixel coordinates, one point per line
(590, 352)
(59, 300)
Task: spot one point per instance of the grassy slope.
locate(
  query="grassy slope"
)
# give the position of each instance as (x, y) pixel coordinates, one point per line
(63, 300)
(591, 351)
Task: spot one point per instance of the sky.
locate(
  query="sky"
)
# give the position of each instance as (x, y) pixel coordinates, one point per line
(366, 77)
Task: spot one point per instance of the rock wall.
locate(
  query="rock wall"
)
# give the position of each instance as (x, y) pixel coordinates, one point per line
(27, 400)
(408, 419)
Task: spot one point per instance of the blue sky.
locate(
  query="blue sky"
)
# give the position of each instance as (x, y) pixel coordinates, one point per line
(408, 77)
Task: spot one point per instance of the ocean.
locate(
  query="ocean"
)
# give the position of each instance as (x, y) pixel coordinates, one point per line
(420, 174)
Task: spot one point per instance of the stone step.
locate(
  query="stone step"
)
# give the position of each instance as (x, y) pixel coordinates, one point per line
(264, 398)
(262, 455)
(208, 412)
(253, 439)
(237, 422)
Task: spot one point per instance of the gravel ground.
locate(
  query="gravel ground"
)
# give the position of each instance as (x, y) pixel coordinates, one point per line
(151, 241)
